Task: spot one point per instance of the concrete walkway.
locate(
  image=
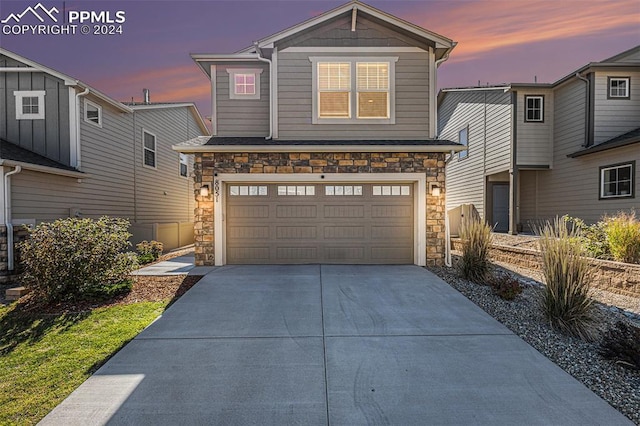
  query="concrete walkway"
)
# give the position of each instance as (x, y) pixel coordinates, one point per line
(339, 345)
(177, 266)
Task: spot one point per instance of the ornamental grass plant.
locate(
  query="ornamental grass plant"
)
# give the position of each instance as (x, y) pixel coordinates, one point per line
(565, 300)
(476, 240)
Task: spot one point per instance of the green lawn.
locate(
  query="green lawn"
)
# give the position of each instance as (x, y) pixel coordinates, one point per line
(43, 358)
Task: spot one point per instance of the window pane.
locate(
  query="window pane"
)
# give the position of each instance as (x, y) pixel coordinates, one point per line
(262, 190)
(282, 190)
(149, 142)
(373, 105)
(395, 190)
(253, 190)
(234, 190)
(405, 190)
(328, 190)
(311, 190)
(348, 190)
(183, 170)
(377, 190)
(334, 76)
(244, 190)
(149, 158)
(386, 190)
(334, 104)
(624, 173)
(357, 190)
(339, 190)
(373, 75)
(291, 190)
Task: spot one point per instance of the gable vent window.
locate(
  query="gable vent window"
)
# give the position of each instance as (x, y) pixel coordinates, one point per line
(353, 90)
(616, 181)
(29, 104)
(534, 108)
(92, 113)
(244, 83)
(149, 149)
(618, 88)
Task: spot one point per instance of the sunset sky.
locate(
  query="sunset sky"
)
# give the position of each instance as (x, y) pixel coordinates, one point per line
(498, 41)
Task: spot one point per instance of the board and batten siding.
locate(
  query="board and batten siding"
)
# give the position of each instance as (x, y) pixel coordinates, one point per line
(534, 139)
(488, 117)
(48, 137)
(242, 117)
(295, 93)
(162, 195)
(614, 117)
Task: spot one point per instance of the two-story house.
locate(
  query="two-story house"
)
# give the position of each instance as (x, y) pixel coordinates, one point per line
(323, 147)
(536, 151)
(68, 150)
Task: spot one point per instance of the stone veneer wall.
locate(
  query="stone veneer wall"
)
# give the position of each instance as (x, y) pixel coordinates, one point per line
(206, 164)
(616, 277)
(19, 234)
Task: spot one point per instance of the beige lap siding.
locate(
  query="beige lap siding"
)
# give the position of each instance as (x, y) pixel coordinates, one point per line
(206, 164)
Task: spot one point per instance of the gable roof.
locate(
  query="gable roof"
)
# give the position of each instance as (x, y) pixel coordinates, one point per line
(440, 41)
(168, 105)
(68, 80)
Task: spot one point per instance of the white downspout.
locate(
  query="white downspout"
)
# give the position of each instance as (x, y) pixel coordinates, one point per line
(447, 231)
(7, 217)
(78, 120)
(261, 58)
(435, 87)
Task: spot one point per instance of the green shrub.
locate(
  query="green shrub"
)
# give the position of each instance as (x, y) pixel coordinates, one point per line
(623, 237)
(565, 299)
(506, 286)
(621, 343)
(476, 240)
(78, 258)
(593, 237)
(149, 251)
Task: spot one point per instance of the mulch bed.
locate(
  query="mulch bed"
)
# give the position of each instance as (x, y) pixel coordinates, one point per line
(145, 289)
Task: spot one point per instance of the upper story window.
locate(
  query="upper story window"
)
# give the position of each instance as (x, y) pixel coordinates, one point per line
(92, 113)
(353, 90)
(184, 165)
(534, 108)
(244, 83)
(463, 139)
(616, 181)
(29, 104)
(618, 88)
(149, 149)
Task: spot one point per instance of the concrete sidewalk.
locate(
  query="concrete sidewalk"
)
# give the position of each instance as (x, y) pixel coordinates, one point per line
(339, 345)
(177, 266)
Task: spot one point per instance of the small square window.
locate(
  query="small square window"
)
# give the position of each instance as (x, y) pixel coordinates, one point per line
(463, 139)
(92, 113)
(618, 88)
(616, 181)
(29, 104)
(534, 108)
(244, 83)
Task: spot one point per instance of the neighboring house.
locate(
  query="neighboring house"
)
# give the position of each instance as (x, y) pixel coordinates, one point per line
(324, 146)
(536, 151)
(67, 150)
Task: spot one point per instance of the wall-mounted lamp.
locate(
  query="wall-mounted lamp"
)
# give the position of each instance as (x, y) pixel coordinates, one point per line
(204, 190)
(434, 189)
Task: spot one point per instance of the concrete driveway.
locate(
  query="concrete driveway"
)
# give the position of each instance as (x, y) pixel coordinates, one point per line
(339, 345)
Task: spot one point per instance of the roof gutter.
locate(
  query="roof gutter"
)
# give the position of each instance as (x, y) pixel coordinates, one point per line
(7, 217)
(268, 61)
(318, 148)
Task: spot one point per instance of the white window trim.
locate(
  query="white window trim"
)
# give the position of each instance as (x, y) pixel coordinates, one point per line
(526, 108)
(180, 163)
(353, 98)
(86, 118)
(232, 82)
(155, 150)
(628, 87)
(618, 166)
(20, 95)
(419, 199)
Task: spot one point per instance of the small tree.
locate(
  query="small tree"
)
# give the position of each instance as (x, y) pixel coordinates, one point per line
(78, 258)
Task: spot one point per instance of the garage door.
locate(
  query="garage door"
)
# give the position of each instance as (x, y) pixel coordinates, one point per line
(327, 223)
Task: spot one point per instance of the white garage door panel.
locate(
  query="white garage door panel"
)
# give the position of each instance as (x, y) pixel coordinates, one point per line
(318, 224)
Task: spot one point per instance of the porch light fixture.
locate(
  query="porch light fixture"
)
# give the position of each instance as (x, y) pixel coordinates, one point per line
(204, 191)
(434, 189)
